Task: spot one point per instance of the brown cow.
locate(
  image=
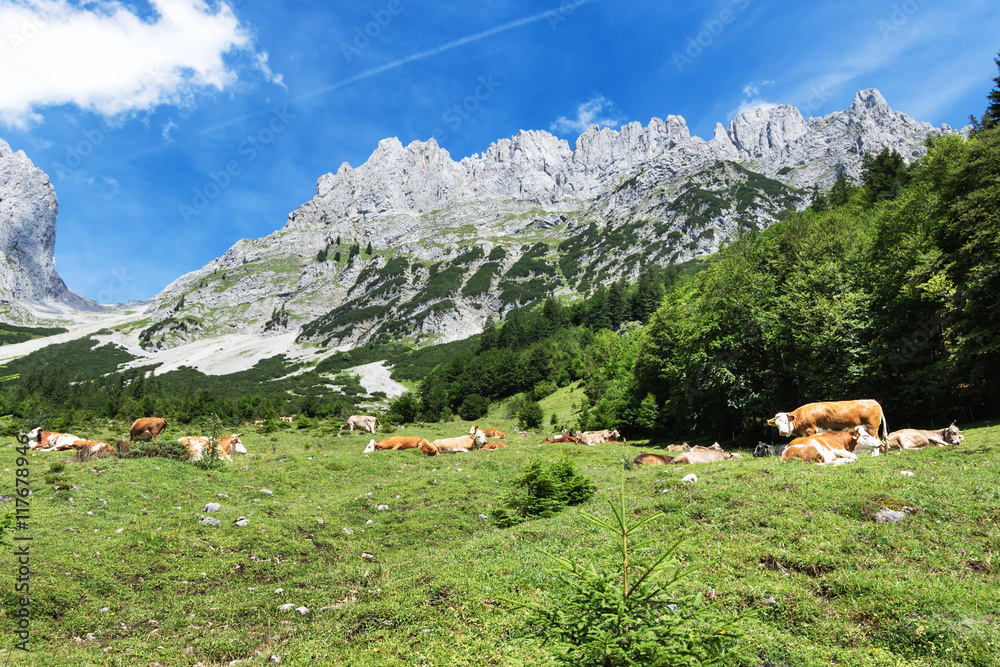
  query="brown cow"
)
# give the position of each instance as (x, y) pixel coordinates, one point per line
(831, 416)
(598, 437)
(652, 460)
(493, 445)
(679, 448)
(912, 438)
(561, 438)
(488, 432)
(146, 428)
(826, 448)
(401, 442)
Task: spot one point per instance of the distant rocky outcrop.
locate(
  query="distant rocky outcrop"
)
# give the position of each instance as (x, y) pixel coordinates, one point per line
(28, 209)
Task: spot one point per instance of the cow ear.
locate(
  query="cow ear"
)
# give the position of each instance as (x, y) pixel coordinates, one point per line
(791, 418)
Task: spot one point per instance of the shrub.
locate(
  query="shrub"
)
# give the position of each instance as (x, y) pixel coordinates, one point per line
(543, 389)
(404, 408)
(541, 491)
(624, 614)
(530, 416)
(474, 407)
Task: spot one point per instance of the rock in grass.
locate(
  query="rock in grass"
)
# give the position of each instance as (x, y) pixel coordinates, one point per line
(886, 515)
(242, 521)
(210, 521)
(212, 507)
(691, 479)
(286, 607)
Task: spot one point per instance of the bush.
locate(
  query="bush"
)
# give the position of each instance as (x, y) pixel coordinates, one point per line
(542, 491)
(474, 407)
(404, 409)
(543, 389)
(530, 416)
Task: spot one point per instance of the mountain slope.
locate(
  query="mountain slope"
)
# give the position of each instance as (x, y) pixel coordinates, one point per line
(453, 243)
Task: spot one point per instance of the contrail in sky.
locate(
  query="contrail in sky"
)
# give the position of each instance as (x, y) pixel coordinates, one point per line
(569, 8)
(562, 10)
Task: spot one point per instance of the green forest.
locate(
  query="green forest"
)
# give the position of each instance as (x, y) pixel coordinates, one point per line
(886, 288)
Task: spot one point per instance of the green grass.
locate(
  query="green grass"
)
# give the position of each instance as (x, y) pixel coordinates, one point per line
(846, 590)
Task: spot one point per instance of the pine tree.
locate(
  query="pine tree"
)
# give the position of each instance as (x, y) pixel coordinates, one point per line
(884, 175)
(992, 116)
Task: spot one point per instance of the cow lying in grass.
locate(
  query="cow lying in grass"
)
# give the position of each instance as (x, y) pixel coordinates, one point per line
(402, 442)
(911, 438)
(463, 443)
(829, 448)
(598, 437)
(48, 441)
(488, 432)
(198, 446)
(561, 438)
(697, 455)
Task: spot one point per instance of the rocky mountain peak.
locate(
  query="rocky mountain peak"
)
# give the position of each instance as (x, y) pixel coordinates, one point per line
(28, 209)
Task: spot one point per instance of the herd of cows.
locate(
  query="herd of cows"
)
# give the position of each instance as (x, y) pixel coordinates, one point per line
(825, 433)
(831, 433)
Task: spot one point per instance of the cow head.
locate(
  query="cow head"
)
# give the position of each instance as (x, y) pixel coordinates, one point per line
(479, 438)
(33, 436)
(865, 441)
(370, 448)
(762, 449)
(237, 446)
(783, 422)
(473, 429)
(953, 436)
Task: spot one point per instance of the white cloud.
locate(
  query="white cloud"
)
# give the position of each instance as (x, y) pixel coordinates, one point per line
(753, 88)
(102, 57)
(167, 129)
(598, 110)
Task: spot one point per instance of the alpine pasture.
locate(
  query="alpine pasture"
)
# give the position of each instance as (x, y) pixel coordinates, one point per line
(394, 561)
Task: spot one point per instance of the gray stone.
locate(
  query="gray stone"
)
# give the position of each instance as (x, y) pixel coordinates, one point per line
(211, 521)
(212, 507)
(886, 515)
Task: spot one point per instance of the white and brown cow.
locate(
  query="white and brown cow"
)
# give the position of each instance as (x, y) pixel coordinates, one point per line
(401, 442)
(827, 448)
(361, 422)
(831, 416)
(464, 443)
(912, 438)
(49, 441)
(705, 455)
(598, 437)
(198, 446)
(490, 432)
(146, 428)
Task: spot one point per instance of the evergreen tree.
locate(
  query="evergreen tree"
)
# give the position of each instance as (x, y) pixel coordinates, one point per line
(883, 175)
(841, 191)
(991, 118)
(368, 250)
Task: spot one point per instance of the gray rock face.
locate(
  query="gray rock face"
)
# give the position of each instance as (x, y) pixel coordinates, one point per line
(637, 196)
(28, 208)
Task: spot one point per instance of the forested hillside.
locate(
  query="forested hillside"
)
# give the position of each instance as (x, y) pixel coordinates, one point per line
(884, 289)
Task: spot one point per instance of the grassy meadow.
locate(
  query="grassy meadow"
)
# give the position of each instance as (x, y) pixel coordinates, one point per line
(395, 559)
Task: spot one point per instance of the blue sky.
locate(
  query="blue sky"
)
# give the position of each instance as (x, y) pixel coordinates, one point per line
(173, 128)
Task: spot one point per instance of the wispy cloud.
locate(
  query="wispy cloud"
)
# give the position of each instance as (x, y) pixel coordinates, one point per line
(102, 57)
(598, 110)
(751, 98)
